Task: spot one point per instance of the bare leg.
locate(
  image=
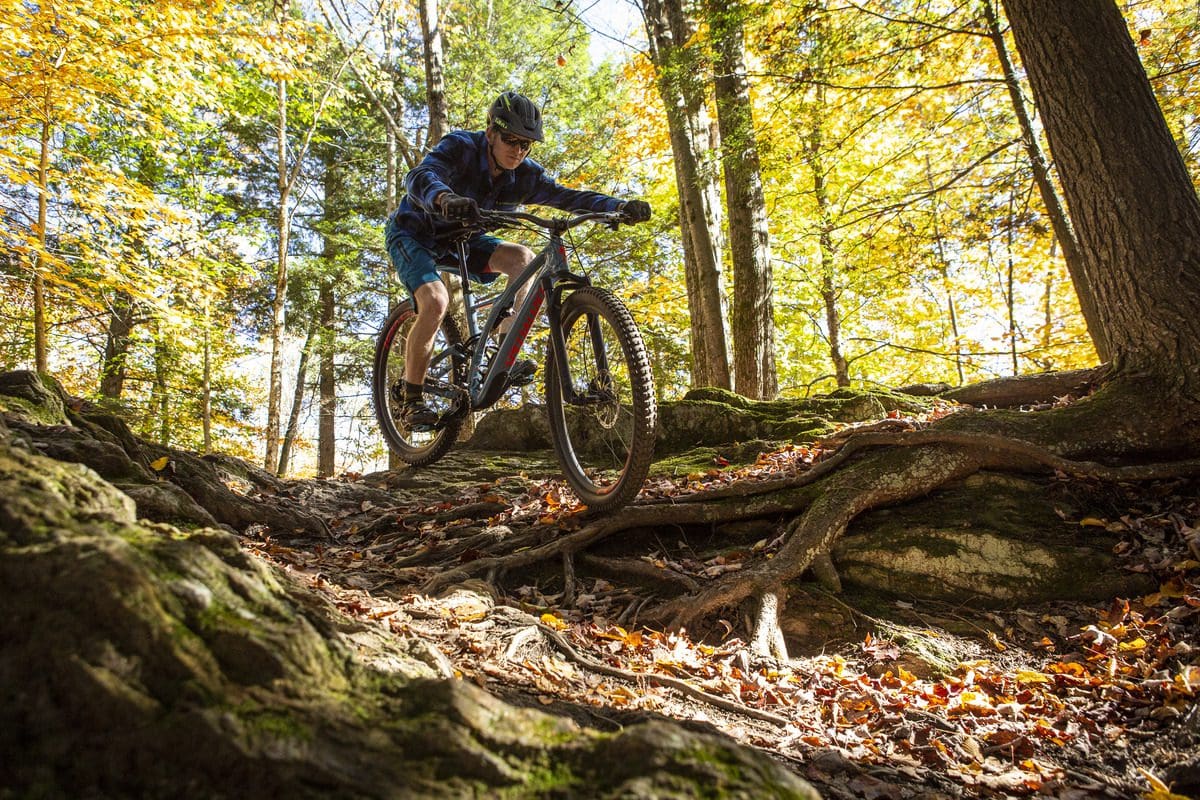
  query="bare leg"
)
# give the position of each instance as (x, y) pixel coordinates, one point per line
(432, 300)
(509, 259)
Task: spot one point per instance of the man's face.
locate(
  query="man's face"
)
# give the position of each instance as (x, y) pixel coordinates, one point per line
(509, 149)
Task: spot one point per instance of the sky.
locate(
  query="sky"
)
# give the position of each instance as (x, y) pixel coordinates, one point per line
(616, 25)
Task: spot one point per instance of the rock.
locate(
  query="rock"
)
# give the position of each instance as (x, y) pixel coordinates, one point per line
(992, 540)
(24, 395)
(142, 661)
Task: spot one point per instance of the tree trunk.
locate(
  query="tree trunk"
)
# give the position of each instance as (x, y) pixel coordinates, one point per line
(435, 87)
(206, 381)
(670, 29)
(327, 384)
(160, 400)
(293, 425)
(943, 268)
(113, 368)
(278, 304)
(1063, 231)
(1135, 210)
(828, 247)
(39, 284)
(1009, 280)
(749, 238)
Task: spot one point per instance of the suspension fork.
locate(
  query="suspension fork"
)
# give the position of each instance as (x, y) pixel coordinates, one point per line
(566, 282)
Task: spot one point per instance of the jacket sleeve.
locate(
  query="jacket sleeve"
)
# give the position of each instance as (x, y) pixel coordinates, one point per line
(437, 172)
(547, 192)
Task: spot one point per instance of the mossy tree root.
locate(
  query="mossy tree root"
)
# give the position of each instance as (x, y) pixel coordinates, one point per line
(909, 465)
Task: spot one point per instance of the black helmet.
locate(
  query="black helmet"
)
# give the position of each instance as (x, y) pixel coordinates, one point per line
(516, 113)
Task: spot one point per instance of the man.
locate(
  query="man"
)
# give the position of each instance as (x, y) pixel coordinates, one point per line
(466, 172)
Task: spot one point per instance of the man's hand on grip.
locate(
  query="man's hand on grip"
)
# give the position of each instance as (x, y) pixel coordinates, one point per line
(635, 211)
(456, 206)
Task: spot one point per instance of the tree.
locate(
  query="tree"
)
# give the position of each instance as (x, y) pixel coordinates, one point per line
(1132, 201)
(1137, 217)
(671, 28)
(289, 161)
(749, 238)
(435, 86)
(1041, 174)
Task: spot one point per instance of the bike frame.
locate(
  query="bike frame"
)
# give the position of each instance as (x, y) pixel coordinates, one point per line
(548, 277)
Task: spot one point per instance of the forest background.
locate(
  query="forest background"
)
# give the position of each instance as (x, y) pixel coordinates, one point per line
(192, 194)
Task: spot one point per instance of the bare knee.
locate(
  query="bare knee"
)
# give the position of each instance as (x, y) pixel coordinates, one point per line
(510, 258)
(432, 301)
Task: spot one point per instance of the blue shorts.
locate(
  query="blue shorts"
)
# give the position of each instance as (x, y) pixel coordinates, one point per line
(418, 264)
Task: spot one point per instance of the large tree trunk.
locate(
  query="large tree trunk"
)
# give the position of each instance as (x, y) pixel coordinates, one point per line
(1041, 176)
(749, 239)
(1135, 210)
(671, 28)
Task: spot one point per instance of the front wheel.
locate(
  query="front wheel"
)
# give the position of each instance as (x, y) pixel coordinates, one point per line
(603, 417)
(445, 377)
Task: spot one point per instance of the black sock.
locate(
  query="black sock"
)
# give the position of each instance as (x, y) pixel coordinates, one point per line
(413, 392)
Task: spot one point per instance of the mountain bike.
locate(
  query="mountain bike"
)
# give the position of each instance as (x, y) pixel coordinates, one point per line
(599, 388)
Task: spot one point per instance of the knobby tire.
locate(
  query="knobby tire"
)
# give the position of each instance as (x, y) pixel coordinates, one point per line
(604, 449)
(416, 449)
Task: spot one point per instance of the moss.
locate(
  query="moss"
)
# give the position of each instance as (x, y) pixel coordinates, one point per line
(32, 413)
(555, 776)
(698, 459)
(275, 722)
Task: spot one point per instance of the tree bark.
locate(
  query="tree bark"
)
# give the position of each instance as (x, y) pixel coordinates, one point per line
(826, 243)
(160, 398)
(293, 425)
(278, 304)
(39, 283)
(670, 28)
(206, 381)
(749, 238)
(1132, 201)
(327, 384)
(113, 368)
(1059, 220)
(435, 87)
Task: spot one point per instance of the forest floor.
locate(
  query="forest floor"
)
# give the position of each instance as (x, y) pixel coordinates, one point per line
(908, 700)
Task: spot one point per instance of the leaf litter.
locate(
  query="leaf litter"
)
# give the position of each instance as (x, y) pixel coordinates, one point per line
(1065, 700)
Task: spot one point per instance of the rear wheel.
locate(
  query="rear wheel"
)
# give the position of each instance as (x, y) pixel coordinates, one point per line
(604, 422)
(443, 382)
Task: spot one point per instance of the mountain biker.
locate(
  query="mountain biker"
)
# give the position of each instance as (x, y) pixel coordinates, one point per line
(468, 171)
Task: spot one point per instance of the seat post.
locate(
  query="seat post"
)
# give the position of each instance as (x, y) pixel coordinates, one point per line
(465, 281)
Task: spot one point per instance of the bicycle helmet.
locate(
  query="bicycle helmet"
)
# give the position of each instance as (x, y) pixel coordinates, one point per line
(515, 113)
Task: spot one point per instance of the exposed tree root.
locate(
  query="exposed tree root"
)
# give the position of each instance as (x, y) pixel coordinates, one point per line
(767, 639)
(869, 470)
(655, 679)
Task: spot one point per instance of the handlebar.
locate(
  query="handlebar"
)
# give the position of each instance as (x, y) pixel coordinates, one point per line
(558, 224)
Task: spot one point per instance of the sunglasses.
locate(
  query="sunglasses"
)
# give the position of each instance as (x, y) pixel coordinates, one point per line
(523, 145)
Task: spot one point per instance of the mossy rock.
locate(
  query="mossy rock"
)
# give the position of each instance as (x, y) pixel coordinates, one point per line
(35, 399)
(992, 540)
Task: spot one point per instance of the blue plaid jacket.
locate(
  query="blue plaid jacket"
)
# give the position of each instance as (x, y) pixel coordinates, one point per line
(459, 164)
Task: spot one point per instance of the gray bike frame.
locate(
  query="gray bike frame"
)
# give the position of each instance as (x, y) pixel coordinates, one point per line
(548, 271)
